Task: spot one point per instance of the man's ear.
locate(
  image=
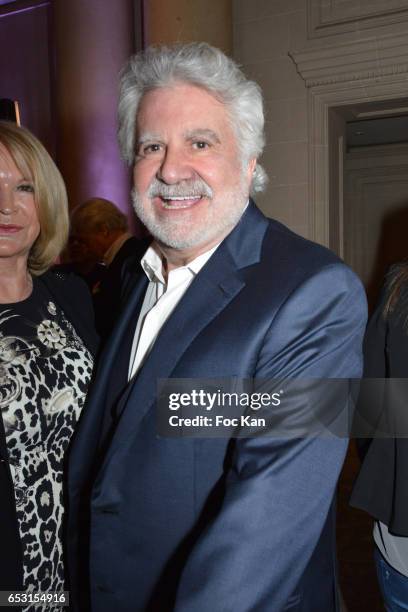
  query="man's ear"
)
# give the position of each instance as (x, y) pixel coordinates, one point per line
(105, 231)
(250, 170)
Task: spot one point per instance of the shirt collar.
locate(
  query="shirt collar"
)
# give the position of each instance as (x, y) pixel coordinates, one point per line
(151, 263)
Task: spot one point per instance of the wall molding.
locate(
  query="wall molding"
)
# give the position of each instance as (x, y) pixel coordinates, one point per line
(367, 65)
(336, 17)
(354, 61)
(321, 101)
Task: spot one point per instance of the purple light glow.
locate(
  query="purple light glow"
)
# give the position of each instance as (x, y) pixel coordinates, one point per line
(7, 11)
(89, 59)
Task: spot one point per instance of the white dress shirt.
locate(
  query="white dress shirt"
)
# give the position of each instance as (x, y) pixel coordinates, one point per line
(160, 300)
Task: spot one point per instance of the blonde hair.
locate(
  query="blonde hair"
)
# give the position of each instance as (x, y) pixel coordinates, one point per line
(50, 195)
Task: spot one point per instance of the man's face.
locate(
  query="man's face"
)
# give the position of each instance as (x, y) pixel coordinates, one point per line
(86, 246)
(190, 186)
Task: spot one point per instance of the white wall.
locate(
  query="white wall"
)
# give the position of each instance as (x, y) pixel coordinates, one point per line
(264, 32)
(310, 56)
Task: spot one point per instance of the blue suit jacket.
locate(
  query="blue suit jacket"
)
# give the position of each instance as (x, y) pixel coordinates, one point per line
(199, 525)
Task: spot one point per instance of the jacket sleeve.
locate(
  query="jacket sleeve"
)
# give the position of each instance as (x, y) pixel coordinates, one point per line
(279, 491)
(372, 388)
(380, 488)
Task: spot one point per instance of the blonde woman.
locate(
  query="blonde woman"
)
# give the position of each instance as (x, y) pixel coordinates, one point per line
(46, 347)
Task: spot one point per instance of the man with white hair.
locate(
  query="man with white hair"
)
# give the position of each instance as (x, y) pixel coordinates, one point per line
(216, 523)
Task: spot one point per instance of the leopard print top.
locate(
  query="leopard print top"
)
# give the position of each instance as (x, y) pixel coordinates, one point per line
(44, 373)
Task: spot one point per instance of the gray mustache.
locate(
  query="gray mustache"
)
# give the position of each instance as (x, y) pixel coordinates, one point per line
(183, 189)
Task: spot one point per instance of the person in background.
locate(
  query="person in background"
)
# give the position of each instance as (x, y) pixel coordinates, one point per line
(99, 244)
(222, 523)
(381, 488)
(101, 229)
(47, 342)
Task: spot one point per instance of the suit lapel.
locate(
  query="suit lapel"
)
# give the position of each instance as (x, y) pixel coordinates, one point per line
(212, 290)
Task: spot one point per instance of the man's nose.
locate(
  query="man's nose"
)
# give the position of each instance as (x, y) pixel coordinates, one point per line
(175, 166)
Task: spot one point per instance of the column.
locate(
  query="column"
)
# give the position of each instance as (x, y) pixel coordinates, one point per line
(93, 39)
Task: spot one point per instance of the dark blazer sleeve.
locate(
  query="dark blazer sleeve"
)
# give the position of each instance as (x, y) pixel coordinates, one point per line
(381, 487)
(371, 396)
(375, 343)
(279, 491)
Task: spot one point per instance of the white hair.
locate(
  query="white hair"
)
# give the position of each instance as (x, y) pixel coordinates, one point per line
(204, 66)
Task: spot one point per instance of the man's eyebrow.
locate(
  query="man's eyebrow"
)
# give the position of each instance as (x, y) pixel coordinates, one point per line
(147, 137)
(203, 133)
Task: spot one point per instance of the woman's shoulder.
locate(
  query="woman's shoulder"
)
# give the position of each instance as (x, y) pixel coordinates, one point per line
(67, 288)
(72, 294)
(63, 279)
